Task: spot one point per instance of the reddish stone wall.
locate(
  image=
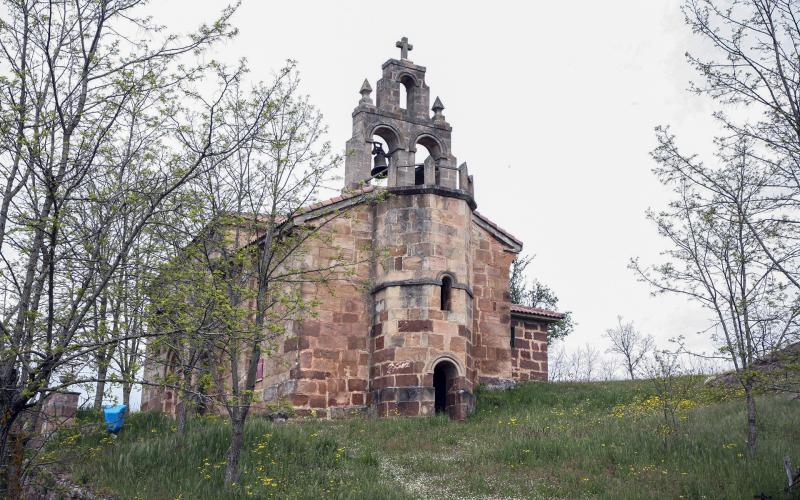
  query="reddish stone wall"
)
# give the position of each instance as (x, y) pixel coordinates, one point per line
(529, 356)
(59, 409)
(155, 397)
(491, 261)
(422, 237)
(378, 333)
(328, 357)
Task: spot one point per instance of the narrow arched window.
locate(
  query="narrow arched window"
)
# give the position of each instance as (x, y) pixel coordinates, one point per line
(407, 92)
(447, 292)
(403, 100)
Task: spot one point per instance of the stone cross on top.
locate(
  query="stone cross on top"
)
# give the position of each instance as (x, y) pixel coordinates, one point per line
(404, 47)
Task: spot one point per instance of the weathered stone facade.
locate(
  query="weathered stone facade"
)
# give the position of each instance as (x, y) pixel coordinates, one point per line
(59, 409)
(435, 319)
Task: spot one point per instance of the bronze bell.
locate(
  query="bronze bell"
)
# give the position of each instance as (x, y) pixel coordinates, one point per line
(380, 165)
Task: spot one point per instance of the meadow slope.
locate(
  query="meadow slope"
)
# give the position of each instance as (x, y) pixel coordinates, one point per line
(539, 440)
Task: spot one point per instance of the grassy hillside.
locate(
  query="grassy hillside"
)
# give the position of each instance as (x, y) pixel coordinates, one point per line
(603, 440)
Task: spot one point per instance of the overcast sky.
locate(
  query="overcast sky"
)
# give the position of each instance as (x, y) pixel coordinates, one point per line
(552, 104)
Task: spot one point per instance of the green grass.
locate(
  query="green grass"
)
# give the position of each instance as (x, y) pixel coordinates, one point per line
(587, 440)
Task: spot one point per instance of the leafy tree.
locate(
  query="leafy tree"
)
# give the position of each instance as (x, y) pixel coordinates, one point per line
(536, 294)
(96, 105)
(247, 274)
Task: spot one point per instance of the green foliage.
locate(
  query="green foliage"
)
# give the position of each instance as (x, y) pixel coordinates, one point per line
(536, 294)
(564, 440)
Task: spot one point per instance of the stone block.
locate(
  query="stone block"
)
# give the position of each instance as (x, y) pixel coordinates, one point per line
(310, 328)
(383, 355)
(356, 343)
(415, 326)
(409, 408)
(458, 344)
(436, 341)
(317, 401)
(356, 385)
(407, 380)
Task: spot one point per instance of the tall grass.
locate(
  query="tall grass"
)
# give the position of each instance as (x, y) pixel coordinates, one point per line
(539, 440)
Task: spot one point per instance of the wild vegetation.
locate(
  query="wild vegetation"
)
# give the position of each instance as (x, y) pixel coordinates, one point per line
(567, 440)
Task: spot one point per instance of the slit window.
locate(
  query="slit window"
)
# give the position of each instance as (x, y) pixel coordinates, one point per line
(513, 336)
(447, 292)
(403, 101)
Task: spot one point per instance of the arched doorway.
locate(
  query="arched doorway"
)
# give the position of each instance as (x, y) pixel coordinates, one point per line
(445, 374)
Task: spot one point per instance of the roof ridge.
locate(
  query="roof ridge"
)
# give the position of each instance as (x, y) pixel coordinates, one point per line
(536, 311)
(494, 225)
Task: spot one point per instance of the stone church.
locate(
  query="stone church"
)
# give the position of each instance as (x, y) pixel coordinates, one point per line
(436, 320)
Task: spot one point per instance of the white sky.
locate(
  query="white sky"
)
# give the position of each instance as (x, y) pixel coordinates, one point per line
(553, 106)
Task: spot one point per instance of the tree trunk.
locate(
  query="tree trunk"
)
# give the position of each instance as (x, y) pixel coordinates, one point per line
(237, 438)
(103, 354)
(751, 419)
(102, 373)
(7, 441)
(181, 411)
(5, 459)
(15, 464)
(126, 395)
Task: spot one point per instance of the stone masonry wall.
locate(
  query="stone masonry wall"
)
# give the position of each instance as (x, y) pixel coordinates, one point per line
(328, 358)
(59, 409)
(492, 352)
(422, 238)
(529, 355)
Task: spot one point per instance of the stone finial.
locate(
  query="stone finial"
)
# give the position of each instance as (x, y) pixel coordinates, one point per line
(404, 47)
(365, 92)
(437, 109)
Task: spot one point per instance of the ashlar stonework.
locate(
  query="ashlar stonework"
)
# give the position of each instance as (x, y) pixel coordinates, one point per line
(436, 320)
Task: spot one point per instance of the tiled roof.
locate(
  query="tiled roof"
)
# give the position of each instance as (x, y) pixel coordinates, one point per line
(536, 311)
(368, 189)
(336, 199)
(498, 228)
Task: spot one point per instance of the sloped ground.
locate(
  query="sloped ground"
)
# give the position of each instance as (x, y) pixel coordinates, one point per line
(604, 440)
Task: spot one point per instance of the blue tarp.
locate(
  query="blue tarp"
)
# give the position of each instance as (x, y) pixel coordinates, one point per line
(115, 417)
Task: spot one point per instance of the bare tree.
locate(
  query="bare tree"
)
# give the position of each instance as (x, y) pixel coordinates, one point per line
(628, 343)
(755, 61)
(608, 368)
(582, 364)
(734, 226)
(556, 362)
(715, 260)
(674, 384)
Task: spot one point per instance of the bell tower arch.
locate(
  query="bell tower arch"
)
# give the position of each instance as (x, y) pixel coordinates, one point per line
(422, 286)
(411, 123)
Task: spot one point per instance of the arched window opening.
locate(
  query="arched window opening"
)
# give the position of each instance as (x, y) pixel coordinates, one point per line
(446, 293)
(381, 153)
(421, 157)
(403, 97)
(407, 93)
